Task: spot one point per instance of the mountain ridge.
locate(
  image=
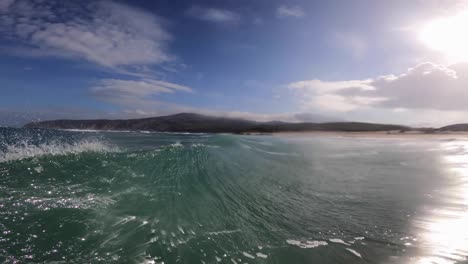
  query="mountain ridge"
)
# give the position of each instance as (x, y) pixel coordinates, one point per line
(192, 122)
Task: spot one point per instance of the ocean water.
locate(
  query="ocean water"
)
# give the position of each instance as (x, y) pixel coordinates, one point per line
(139, 197)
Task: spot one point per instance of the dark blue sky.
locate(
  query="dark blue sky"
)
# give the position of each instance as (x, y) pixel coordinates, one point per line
(288, 60)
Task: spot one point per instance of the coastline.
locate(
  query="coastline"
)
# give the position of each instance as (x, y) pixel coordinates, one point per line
(377, 134)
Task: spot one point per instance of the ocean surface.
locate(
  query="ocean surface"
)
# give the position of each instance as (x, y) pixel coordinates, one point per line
(140, 197)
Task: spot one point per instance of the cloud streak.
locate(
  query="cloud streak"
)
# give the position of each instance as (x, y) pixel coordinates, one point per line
(353, 43)
(215, 15)
(289, 11)
(134, 93)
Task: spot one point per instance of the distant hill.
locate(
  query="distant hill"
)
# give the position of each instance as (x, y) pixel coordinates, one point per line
(189, 122)
(455, 127)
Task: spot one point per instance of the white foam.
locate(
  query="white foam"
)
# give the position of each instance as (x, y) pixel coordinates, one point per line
(354, 154)
(181, 230)
(275, 153)
(81, 130)
(199, 145)
(224, 232)
(125, 220)
(96, 130)
(177, 144)
(39, 169)
(261, 255)
(339, 241)
(248, 255)
(87, 202)
(354, 252)
(245, 146)
(306, 244)
(26, 150)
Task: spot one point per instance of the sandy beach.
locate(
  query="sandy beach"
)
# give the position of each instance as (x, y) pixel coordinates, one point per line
(380, 134)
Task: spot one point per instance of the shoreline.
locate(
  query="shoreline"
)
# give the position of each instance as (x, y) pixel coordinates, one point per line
(377, 134)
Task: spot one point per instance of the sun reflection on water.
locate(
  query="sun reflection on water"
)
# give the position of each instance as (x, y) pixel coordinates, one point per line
(443, 230)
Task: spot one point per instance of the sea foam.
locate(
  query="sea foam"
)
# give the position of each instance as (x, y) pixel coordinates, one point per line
(26, 150)
(306, 244)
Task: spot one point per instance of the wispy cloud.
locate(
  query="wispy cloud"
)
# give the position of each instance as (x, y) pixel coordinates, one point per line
(352, 43)
(105, 33)
(216, 15)
(133, 92)
(290, 11)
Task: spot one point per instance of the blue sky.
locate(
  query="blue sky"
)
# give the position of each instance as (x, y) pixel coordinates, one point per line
(263, 60)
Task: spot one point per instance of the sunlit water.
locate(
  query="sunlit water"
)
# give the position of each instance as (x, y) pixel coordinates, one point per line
(137, 197)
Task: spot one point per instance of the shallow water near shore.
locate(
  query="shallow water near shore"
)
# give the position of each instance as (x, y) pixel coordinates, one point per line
(139, 197)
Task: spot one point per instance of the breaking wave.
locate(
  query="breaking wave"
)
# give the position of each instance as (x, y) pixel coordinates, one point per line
(17, 144)
(26, 150)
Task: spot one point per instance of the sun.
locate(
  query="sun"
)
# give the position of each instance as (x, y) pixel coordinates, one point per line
(448, 36)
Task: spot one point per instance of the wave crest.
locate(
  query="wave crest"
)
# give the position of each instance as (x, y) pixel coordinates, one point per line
(26, 150)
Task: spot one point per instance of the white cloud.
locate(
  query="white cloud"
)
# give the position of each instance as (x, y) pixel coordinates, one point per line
(122, 39)
(290, 11)
(425, 87)
(323, 95)
(215, 15)
(106, 33)
(321, 87)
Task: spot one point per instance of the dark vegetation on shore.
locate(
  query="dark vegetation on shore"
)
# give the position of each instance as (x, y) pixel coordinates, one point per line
(189, 122)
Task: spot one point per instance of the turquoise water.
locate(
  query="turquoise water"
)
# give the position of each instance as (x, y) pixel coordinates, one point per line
(137, 197)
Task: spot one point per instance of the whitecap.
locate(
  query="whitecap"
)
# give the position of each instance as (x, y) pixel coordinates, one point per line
(125, 220)
(181, 230)
(354, 252)
(39, 169)
(339, 241)
(224, 232)
(26, 150)
(177, 144)
(200, 145)
(248, 255)
(306, 244)
(81, 130)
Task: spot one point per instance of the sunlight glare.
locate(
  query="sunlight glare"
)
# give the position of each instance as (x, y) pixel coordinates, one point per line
(444, 236)
(448, 35)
